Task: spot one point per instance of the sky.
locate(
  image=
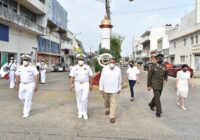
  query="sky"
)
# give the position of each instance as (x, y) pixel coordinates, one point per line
(129, 19)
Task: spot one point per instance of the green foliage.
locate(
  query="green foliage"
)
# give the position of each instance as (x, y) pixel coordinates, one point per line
(116, 47)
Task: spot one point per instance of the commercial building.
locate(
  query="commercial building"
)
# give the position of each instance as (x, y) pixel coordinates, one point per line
(21, 22)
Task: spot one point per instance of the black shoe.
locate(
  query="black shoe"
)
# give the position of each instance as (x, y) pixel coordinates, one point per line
(152, 108)
(158, 115)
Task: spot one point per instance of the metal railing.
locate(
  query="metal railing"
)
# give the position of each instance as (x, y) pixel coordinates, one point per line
(20, 20)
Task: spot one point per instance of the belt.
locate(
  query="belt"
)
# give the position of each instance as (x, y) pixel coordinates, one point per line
(81, 82)
(25, 83)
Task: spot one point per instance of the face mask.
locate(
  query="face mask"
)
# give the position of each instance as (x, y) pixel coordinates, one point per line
(112, 65)
(25, 63)
(184, 70)
(11, 61)
(80, 62)
(159, 61)
(131, 65)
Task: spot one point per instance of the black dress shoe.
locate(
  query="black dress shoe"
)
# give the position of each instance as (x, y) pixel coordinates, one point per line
(112, 120)
(158, 115)
(152, 108)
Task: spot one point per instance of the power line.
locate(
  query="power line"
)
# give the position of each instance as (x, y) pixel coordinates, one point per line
(153, 10)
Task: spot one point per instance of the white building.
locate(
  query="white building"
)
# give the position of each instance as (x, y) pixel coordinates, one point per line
(68, 48)
(21, 22)
(185, 40)
(150, 43)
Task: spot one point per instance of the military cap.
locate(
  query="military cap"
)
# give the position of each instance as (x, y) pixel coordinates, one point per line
(159, 56)
(11, 58)
(26, 57)
(80, 57)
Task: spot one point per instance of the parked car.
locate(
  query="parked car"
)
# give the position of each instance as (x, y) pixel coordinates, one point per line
(173, 71)
(60, 67)
(147, 66)
(168, 65)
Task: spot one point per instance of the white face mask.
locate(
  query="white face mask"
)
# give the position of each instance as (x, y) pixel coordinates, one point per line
(80, 62)
(25, 63)
(112, 65)
(11, 61)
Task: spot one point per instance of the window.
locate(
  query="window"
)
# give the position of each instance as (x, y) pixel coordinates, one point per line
(182, 58)
(197, 39)
(174, 44)
(185, 42)
(4, 33)
(27, 13)
(192, 40)
(10, 4)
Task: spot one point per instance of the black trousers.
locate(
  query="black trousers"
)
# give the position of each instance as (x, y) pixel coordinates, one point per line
(131, 85)
(155, 102)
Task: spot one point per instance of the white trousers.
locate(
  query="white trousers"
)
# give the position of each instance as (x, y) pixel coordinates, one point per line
(82, 92)
(12, 79)
(43, 76)
(26, 92)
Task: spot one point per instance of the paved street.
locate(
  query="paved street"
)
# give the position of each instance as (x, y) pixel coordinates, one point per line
(54, 115)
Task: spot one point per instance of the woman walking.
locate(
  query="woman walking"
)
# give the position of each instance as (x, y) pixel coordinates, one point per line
(182, 85)
(132, 76)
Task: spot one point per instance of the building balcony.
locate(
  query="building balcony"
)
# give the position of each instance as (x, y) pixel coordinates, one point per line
(145, 55)
(196, 48)
(145, 39)
(67, 46)
(35, 6)
(21, 22)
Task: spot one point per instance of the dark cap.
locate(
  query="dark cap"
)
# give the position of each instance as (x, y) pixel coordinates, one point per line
(159, 56)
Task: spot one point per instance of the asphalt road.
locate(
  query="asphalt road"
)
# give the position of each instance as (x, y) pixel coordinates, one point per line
(54, 115)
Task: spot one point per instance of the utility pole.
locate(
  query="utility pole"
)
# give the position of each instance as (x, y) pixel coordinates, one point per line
(108, 8)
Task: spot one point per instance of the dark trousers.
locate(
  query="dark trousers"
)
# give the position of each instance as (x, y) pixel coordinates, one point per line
(131, 85)
(156, 100)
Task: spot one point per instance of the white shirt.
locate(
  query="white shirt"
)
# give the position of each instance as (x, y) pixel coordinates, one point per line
(27, 74)
(42, 66)
(81, 73)
(110, 80)
(132, 73)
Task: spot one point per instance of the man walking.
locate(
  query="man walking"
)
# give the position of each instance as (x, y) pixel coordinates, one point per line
(43, 70)
(12, 69)
(81, 80)
(110, 86)
(26, 83)
(157, 76)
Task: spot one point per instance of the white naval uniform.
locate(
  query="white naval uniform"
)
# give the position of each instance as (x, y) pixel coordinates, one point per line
(82, 86)
(12, 70)
(43, 69)
(27, 84)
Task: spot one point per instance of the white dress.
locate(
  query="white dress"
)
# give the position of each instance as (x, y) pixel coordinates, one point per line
(183, 86)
